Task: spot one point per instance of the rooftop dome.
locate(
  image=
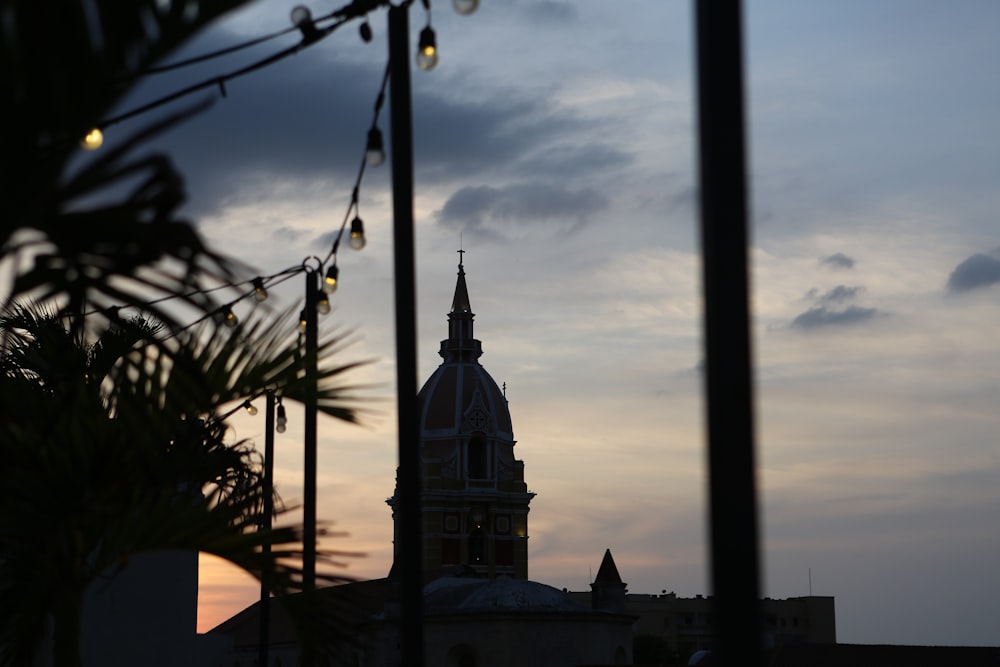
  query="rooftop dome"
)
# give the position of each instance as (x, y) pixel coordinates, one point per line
(454, 594)
(460, 396)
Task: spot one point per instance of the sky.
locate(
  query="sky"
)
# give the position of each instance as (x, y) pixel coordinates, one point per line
(555, 143)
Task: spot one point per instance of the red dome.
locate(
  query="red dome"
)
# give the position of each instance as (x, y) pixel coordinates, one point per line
(461, 397)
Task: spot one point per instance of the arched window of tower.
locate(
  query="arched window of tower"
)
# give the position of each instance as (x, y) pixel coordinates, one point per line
(478, 465)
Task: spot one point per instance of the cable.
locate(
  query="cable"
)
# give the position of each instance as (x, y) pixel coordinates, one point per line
(348, 12)
(311, 35)
(219, 81)
(216, 54)
(353, 205)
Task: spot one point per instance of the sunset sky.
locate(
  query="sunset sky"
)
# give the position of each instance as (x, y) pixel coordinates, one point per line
(555, 142)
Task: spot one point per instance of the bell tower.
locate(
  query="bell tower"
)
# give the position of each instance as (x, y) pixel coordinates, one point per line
(474, 499)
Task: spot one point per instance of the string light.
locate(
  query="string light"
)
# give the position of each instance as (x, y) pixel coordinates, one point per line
(259, 291)
(303, 322)
(427, 55)
(323, 304)
(93, 140)
(281, 421)
(330, 279)
(375, 152)
(365, 31)
(357, 239)
(250, 408)
(303, 20)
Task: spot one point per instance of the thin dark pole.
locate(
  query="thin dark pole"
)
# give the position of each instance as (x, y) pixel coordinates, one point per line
(410, 552)
(265, 524)
(732, 492)
(309, 464)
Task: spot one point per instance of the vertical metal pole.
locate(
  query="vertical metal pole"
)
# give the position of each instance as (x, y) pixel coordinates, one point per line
(732, 493)
(309, 464)
(265, 524)
(410, 549)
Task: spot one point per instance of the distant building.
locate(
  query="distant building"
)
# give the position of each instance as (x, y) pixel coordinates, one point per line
(480, 608)
(686, 623)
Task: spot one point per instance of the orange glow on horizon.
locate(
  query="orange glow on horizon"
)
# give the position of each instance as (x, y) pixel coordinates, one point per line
(223, 591)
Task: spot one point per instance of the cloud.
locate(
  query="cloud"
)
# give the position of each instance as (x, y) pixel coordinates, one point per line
(551, 12)
(977, 271)
(506, 212)
(822, 316)
(838, 294)
(505, 132)
(837, 261)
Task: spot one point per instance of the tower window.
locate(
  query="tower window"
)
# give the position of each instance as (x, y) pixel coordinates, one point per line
(504, 552)
(477, 458)
(477, 546)
(451, 551)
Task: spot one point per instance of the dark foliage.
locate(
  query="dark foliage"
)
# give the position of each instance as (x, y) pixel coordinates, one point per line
(80, 240)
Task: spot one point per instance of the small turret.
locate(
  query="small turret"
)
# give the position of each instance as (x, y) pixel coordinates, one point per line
(607, 593)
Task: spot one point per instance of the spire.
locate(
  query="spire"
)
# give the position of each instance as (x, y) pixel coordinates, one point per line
(607, 593)
(608, 572)
(461, 301)
(461, 345)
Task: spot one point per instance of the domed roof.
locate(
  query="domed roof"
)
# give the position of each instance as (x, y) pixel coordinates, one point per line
(460, 396)
(458, 594)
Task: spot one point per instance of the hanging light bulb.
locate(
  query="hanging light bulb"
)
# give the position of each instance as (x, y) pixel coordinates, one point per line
(365, 30)
(259, 291)
(323, 304)
(230, 319)
(302, 322)
(427, 55)
(303, 20)
(465, 7)
(375, 154)
(330, 280)
(250, 408)
(92, 140)
(281, 421)
(357, 240)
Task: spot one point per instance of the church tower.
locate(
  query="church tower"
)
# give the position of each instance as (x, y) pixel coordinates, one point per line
(474, 499)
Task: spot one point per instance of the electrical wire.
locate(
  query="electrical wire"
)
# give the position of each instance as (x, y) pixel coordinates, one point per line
(169, 67)
(220, 81)
(353, 205)
(350, 11)
(353, 10)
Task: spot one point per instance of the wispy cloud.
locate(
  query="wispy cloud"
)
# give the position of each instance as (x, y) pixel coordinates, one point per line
(837, 261)
(492, 212)
(822, 316)
(838, 294)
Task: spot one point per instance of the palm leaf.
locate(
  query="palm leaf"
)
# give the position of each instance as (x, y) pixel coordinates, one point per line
(118, 448)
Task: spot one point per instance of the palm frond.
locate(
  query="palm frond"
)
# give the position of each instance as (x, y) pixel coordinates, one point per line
(61, 78)
(118, 447)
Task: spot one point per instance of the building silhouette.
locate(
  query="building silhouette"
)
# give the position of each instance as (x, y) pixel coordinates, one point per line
(474, 500)
(480, 608)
